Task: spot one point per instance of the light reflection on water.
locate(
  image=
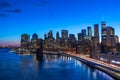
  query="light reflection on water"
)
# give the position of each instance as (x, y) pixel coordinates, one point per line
(53, 67)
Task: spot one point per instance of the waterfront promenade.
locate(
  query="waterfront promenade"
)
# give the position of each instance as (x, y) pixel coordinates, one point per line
(110, 69)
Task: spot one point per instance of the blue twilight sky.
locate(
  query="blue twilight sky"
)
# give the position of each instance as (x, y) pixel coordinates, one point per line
(39, 16)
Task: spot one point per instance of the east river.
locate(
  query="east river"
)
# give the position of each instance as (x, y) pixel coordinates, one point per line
(52, 67)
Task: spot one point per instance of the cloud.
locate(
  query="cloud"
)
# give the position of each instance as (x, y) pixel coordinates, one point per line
(14, 11)
(5, 7)
(4, 4)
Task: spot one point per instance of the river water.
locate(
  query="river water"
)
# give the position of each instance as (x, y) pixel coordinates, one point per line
(52, 67)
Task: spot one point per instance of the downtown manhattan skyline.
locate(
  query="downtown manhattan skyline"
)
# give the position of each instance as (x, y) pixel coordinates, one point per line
(40, 16)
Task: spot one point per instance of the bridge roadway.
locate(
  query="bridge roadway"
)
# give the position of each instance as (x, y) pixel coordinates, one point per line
(115, 73)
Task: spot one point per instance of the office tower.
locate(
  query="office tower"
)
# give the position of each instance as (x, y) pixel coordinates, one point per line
(83, 31)
(96, 38)
(58, 40)
(72, 41)
(103, 33)
(50, 34)
(96, 33)
(89, 30)
(45, 36)
(25, 40)
(64, 34)
(64, 38)
(50, 41)
(110, 36)
(80, 38)
(71, 36)
(34, 36)
(57, 35)
(116, 39)
(34, 40)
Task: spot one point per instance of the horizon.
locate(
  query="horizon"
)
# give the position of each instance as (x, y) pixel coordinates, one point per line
(40, 16)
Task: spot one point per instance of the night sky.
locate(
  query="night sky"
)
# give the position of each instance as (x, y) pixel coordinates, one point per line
(40, 16)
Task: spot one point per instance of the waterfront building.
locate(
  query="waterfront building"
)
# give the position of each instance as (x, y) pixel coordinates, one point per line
(110, 36)
(116, 39)
(89, 35)
(64, 38)
(84, 47)
(80, 38)
(57, 35)
(25, 41)
(83, 32)
(49, 42)
(50, 34)
(103, 32)
(72, 41)
(45, 36)
(58, 40)
(96, 33)
(64, 34)
(96, 39)
(34, 40)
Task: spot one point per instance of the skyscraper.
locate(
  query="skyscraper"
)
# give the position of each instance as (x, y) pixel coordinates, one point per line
(25, 40)
(110, 36)
(83, 31)
(34, 40)
(96, 33)
(103, 33)
(58, 40)
(64, 34)
(50, 34)
(89, 30)
(34, 36)
(96, 38)
(57, 35)
(64, 38)
(72, 41)
(116, 39)
(45, 36)
(80, 38)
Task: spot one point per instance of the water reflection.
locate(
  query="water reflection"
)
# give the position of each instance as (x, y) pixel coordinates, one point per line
(51, 67)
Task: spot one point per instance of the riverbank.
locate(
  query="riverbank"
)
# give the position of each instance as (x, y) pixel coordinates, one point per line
(115, 73)
(100, 65)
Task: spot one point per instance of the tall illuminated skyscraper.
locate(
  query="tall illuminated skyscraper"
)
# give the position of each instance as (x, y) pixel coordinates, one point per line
(64, 34)
(96, 33)
(96, 38)
(64, 38)
(34, 40)
(83, 31)
(80, 38)
(25, 40)
(50, 34)
(89, 30)
(103, 33)
(110, 41)
(57, 35)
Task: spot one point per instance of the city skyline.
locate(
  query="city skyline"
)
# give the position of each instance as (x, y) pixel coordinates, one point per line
(16, 17)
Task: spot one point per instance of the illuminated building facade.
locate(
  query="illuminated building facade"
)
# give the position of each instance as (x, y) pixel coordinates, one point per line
(89, 35)
(96, 38)
(25, 41)
(64, 38)
(103, 33)
(72, 41)
(34, 40)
